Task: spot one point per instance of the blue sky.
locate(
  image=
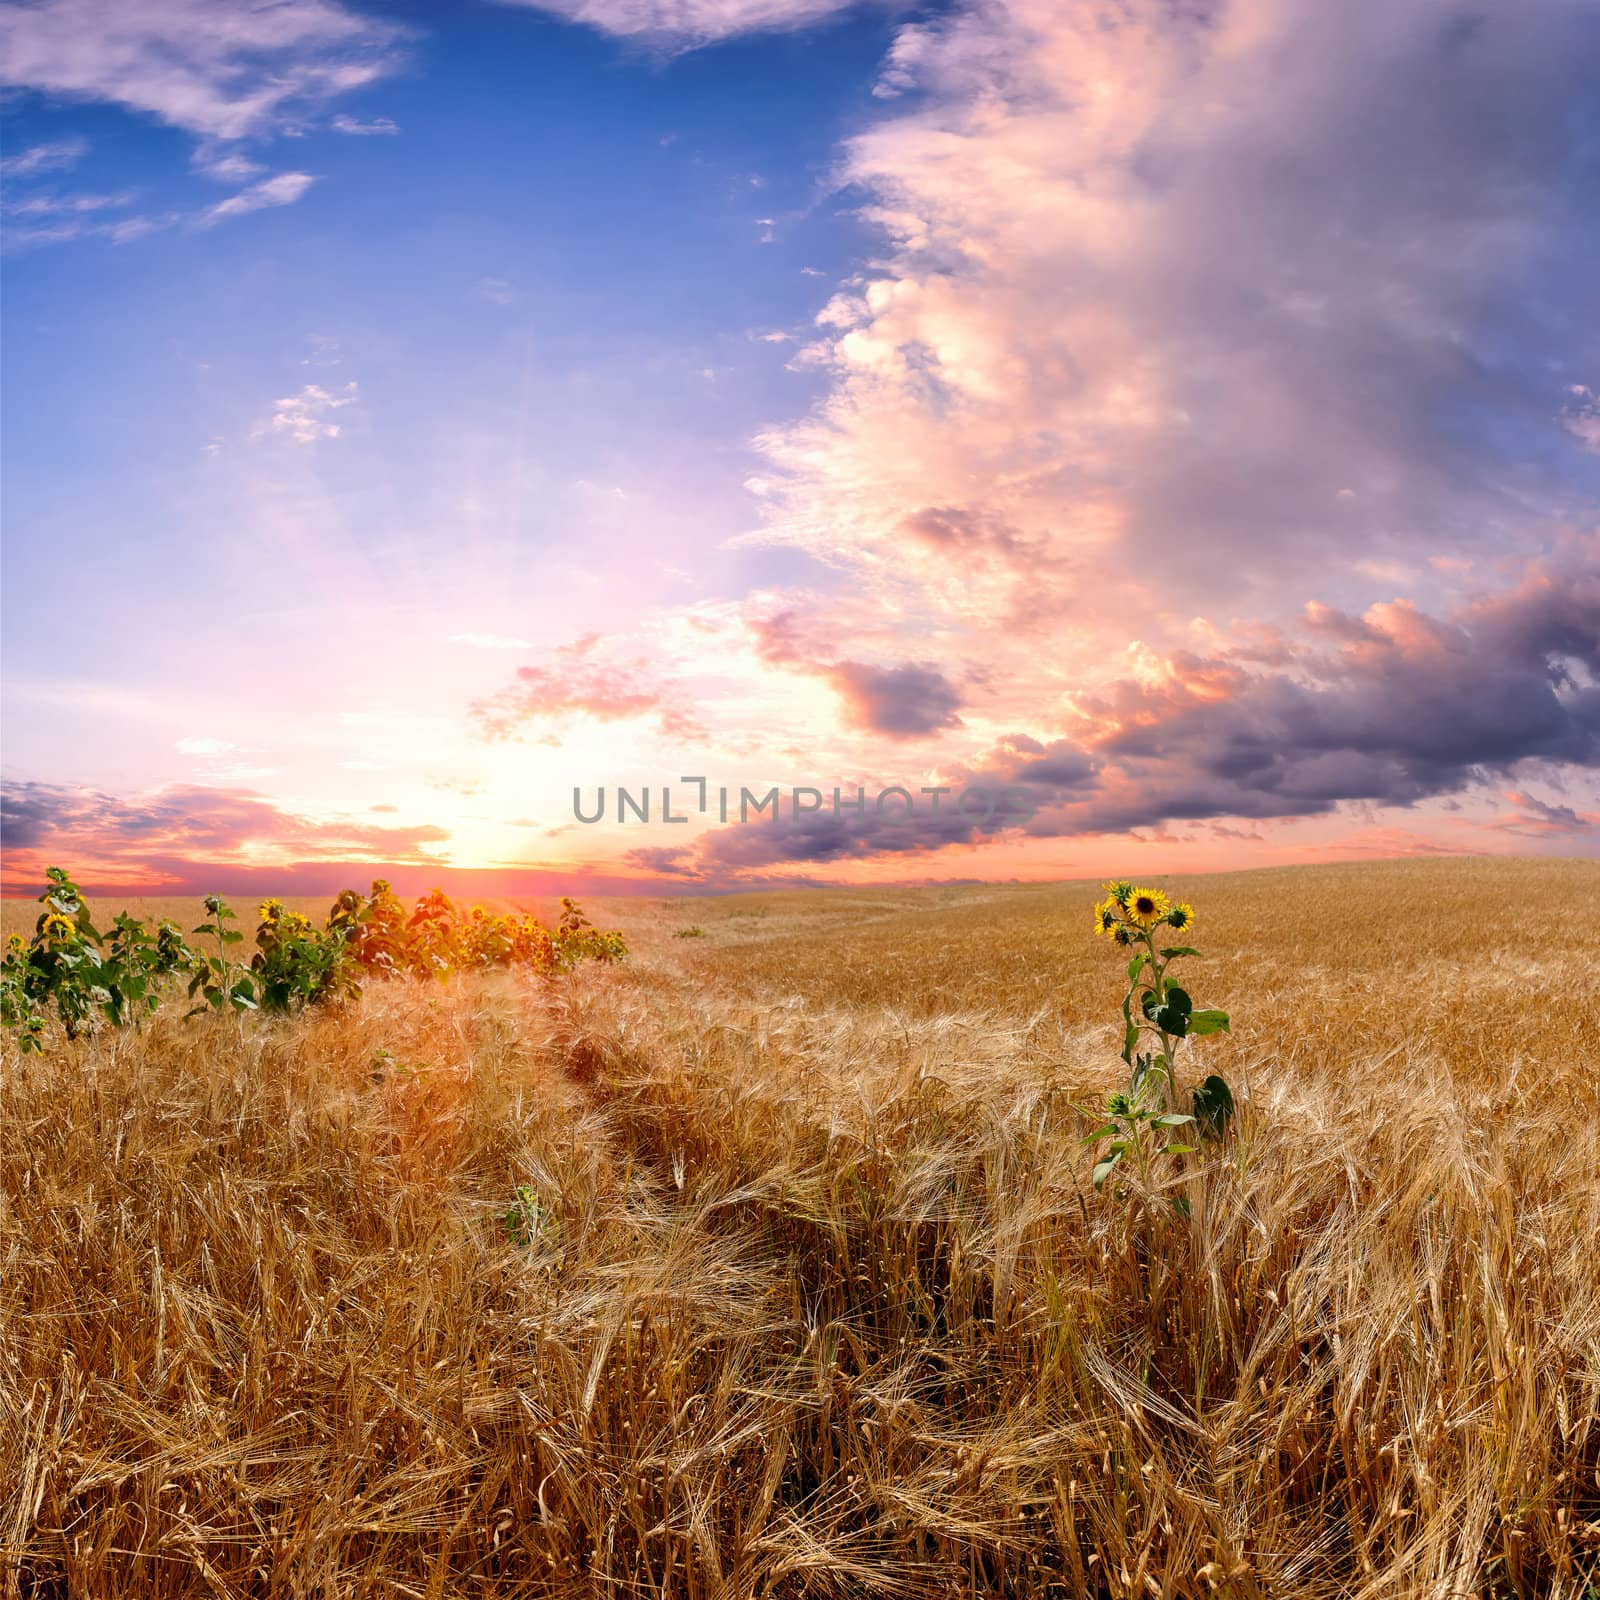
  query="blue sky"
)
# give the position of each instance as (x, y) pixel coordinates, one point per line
(412, 411)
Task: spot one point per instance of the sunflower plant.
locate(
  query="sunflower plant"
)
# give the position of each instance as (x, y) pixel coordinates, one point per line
(297, 964)
(73, 970)
(83, 974)
(216, 980)
(1158, 1016)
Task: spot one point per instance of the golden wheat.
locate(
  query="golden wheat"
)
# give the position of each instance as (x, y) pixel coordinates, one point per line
(812, 1295)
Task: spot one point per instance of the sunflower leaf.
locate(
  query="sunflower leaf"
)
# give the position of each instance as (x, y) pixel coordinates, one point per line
(1213, 1107)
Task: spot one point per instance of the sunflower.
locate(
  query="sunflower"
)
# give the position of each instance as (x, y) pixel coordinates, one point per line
(56, 926)
(1106, 916)
(1146, 907)
(1119, 889)
(16, 945)
(1181, 916)
(271, 910)
(1122, 934)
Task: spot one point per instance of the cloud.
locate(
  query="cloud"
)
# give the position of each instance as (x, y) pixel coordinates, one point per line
(1157, 283)
(225, 165)
(1403, 708)
(902, 702)
(1390, 708)
(56, 205)
(203, 745)
(216, 70)
(75, 222)
(282, 190)
(1532, 818)
(691, 22)
(353, 125)
(582, 683)
(167, 836)
(305, 417)
(53, 156)
(1581, 417)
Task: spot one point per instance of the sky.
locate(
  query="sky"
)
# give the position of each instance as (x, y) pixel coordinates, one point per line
(1091, 438)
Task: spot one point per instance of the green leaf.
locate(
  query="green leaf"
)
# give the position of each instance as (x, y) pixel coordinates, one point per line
(1172, 1019)
(1180, 1204)
(1173, 1119)
(1178, 950)
(1099, 1133)
(1204, 1022)
(1179, 1150)
(1178, 999)
(1103, 1169)
(1213, 1107)
(1130, 1037)
(1136, 966)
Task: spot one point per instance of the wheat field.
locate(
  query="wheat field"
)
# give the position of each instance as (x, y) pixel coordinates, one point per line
(768, 1265)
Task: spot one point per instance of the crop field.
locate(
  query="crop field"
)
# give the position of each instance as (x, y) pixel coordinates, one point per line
(769, 1263)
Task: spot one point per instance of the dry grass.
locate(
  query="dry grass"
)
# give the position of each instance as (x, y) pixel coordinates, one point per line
(825, 1306)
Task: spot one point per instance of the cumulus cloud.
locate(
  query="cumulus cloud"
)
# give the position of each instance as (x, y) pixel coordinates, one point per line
(308, 416)
(1176, 305)
(222, 71)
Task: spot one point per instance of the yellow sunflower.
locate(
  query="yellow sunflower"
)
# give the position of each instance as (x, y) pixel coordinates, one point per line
(1106, 916)
(16, 945)
(1122, 934)
(1146, 907)
(56, 926)
(271, 910)
(1181, 916)
(1119, 889)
